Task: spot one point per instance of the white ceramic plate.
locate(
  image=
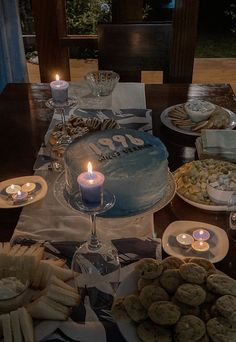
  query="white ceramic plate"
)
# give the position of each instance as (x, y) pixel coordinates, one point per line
(165, 119)
(39, 181)
(219, 243)
(210, 207)
(128, 286)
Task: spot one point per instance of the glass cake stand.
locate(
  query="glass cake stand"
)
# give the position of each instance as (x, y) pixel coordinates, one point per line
(96, 263)
(62, 198)
(71, 102)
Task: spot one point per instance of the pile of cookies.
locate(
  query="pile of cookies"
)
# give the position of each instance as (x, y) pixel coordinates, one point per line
(219, 119)
(191, 178)
(53, 299)
(77, 126)
(180, 300)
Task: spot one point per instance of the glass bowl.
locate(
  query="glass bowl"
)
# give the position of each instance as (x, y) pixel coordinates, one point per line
(13, 289)
(102, 82)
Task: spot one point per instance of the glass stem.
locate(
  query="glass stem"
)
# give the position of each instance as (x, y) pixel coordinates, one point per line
(94, 243)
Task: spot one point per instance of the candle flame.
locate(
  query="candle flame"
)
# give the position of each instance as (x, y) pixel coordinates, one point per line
(18, 192)
(90, 168)
(201, 243)
(201, 232)
(12, 186)
(184, 236)
(57, 77)
(27, 184)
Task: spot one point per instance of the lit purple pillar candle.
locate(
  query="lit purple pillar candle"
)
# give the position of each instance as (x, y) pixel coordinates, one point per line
(91, 186)
(59, 89)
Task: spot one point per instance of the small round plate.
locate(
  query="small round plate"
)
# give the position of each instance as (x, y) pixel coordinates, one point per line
(166, 120)
(71, 102)
(219, 243)
(59, 187)
(41, 191)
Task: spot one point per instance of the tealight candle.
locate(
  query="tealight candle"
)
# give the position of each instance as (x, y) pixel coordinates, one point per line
(200, 246)
(13, 189)
(28, 187)
(59, 89)
(91, 186)
(184, 240)
(201, 234)
(20, 196)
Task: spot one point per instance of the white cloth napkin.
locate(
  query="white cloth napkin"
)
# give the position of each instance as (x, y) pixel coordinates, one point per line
(125, 95)
(91, 330)
(219, 142)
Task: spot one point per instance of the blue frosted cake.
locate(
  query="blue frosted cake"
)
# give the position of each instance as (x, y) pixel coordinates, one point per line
(134, 164)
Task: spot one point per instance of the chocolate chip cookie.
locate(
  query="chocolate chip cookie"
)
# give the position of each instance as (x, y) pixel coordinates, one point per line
(152, 293)
(191, 294)
(149, 332)
(148, 268)
(189, 329)
(164, 313)
(193, 273)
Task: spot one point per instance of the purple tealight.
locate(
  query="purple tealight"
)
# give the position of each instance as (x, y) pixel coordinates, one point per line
(201, 234)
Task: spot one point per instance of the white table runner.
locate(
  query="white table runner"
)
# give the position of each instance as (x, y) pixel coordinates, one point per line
(49, 219)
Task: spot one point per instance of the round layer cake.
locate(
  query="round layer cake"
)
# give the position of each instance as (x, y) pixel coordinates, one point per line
(134, 164)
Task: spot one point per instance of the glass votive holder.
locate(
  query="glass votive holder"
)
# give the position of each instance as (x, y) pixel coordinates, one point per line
(200, 246)
(28, 187)
(184, 240)
(201, 234)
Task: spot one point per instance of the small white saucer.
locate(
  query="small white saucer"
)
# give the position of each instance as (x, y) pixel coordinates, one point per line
(219, 243)
(41, 184)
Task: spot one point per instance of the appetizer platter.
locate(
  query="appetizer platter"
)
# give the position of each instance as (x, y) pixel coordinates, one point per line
(176, 300)
(41, 292)
(180, 120)
(192, 180)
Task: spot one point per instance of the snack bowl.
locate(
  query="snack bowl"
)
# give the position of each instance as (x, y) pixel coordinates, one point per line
(199, 110)
(102, 82)
(221, 189)
(13, 288)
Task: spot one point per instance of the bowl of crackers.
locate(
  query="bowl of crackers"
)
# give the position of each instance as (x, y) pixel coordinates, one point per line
(199, 110)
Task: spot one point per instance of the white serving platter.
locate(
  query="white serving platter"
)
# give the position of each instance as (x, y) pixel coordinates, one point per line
(41, 191)
(219, 242)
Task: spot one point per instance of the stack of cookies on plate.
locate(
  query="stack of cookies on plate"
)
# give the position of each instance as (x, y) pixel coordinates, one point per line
(52, 298)
(180, 300)
(77, 126)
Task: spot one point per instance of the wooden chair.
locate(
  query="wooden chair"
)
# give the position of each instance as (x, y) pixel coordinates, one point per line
(128, 48)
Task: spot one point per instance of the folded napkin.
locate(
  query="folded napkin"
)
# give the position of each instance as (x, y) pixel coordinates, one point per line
(218, 143)
(125, 95)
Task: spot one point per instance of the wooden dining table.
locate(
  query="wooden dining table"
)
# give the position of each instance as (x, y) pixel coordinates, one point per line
(25, 120)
